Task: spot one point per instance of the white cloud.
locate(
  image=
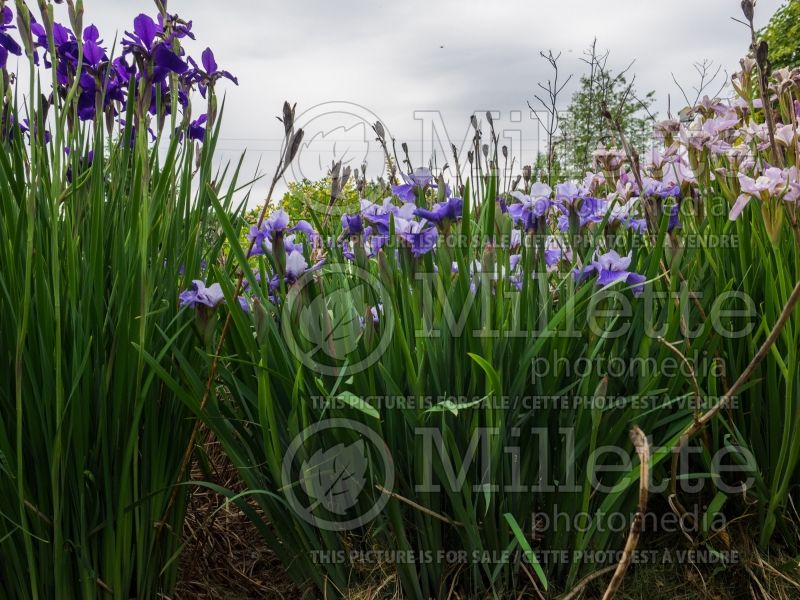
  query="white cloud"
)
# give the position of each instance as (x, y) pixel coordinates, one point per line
(388, 56)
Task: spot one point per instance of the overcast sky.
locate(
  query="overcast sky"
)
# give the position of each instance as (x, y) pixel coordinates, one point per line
(404, 63)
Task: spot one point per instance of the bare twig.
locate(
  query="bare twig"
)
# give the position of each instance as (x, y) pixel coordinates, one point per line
(550, 105)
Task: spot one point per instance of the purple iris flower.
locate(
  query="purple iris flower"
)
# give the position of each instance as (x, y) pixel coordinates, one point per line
(531, 209)
(421, 241)
(611, 268)
(147, 43)
(296, 267)
(372, 244)
(674, 218)
(200, 295)
(209, 73)
(7, 44)
(623, 214)
(380, 215)
(374, 315)
(123, 71)
(661, 189)
(352, 225)
(589, 210)
(25, 127)
(418, 180)
(179, 28)
(83, 163)
(567, 193)
(447, 211)
(197, 130)
(773, 183)
(262, 237)
(93, 54)
(277, 224)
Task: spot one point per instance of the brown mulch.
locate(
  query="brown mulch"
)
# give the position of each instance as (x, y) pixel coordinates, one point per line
(225, 557)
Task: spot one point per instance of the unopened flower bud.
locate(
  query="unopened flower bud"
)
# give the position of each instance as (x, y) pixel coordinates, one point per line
(24, 26)
(526, 173)
(748, 8)
(762, 53)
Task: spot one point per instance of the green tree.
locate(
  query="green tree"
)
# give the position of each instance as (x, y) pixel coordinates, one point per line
(306, 196)
(539, 172)
(783, 36)
(583, 126)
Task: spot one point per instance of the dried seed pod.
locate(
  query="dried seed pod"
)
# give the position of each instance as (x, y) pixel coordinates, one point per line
(288, 117)
(294, 147)
(345, 177)
(505, 152)
(24, 27)
(748, 8)
(474, 120)
(336, 168)
(379, 130)
(762, 53)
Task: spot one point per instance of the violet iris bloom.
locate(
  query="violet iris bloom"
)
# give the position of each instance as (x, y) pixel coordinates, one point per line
(530, 209)
(262, 237)
(209, 74)
(380, 215)
(588, 209)
(83, 163)
(197, 130)
(418, 180)
(200, 295)
(25, 127)
(146, 42)
(296, 267)
(93, 54)
(276, 224)
(567, 193)
(7, 44)
(179, 28)
(611, 268)
(773, 183)
(660, 189)
(419, 238)
(372, 244)
(674, 218)
(352, 225)
(447, 211)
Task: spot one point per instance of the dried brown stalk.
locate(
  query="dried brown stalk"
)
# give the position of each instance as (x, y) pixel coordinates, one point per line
(642, 446)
